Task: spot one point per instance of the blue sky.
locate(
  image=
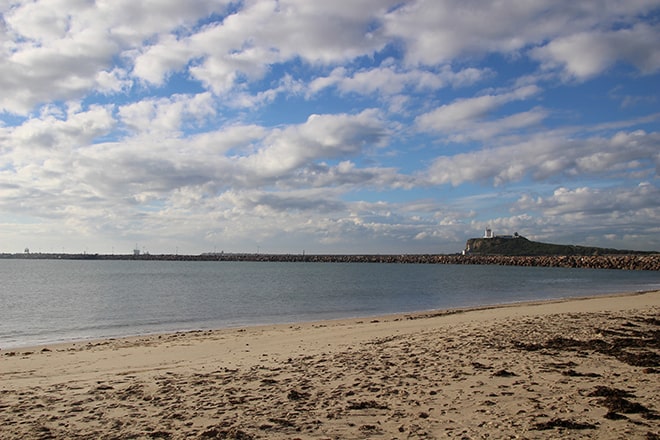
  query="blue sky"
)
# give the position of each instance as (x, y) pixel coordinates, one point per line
(373, 126)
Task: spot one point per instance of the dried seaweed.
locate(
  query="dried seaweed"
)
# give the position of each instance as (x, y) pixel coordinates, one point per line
(633, 347)
(562, 423)
(370, 404)
(603, 391)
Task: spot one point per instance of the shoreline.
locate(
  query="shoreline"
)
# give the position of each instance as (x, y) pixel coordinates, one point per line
(418, 314)
(585, 367)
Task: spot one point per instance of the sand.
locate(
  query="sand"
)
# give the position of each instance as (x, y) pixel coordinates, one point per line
(587, 368)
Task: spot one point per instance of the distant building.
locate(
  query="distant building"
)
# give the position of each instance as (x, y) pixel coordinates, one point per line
(488, 233)
(136, 251)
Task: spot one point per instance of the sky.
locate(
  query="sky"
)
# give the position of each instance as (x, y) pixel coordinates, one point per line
(351, 126)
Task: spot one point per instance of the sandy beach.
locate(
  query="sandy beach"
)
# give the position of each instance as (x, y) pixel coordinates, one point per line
(585, 368)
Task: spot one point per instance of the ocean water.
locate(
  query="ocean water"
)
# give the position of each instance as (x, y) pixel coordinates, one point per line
(48, 301)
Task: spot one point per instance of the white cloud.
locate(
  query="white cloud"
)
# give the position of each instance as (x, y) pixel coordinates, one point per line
(263, 33)
(158, 60)
(64, 49)
(165, 175)
(40, 21)
(586, 54)
(438, 32)
(287, 87)
(549, 155)
(348, 176)
(58, 132)
(489, 130)
(587, 202)
(132, 22)
(620, 217)
(320, 137)
(464, 112)
(165, 116)
(113, 82)
(64, 69)
(327, 32)
(389, 80)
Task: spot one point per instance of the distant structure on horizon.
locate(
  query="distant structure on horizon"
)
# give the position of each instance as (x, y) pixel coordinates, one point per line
(488, 233)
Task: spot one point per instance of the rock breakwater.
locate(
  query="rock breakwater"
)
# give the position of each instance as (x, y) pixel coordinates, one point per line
(626, 262)
(623, 262)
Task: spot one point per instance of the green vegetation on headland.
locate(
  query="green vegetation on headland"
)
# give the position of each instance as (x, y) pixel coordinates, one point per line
(520, 246)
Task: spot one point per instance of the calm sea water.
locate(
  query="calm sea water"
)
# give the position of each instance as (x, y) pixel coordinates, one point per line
(47, 301)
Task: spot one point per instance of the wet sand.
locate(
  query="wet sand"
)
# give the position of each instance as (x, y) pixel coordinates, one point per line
(585, 368)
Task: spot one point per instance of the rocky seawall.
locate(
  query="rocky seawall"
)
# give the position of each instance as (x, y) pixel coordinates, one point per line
(624, 262)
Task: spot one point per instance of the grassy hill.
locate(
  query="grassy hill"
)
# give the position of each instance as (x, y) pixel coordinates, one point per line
(522, 246)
